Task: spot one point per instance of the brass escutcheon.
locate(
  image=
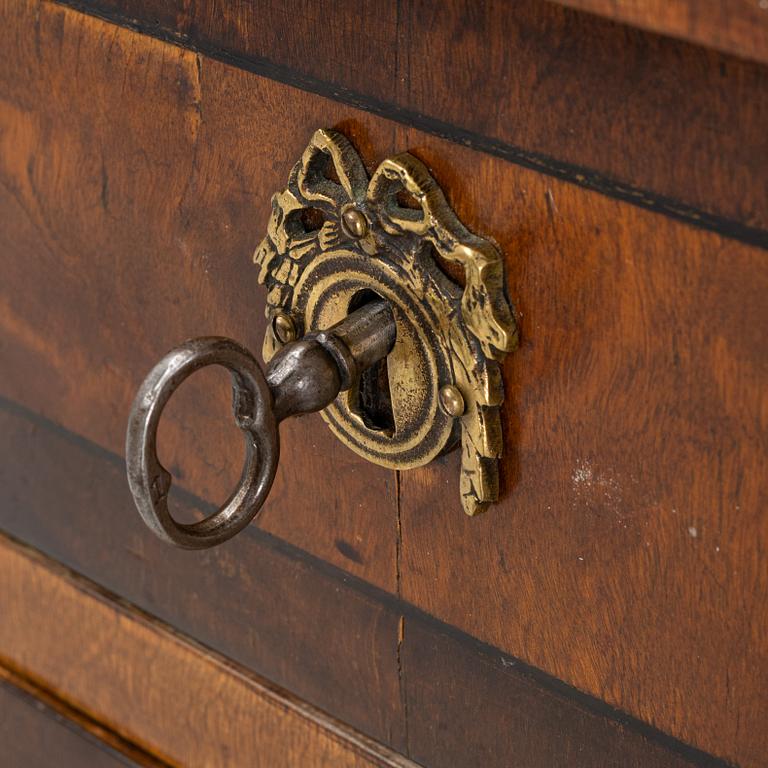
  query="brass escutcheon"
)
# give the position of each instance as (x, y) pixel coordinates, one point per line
(336, 239)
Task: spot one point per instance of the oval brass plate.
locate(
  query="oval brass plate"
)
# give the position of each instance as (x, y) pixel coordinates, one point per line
(416, 368)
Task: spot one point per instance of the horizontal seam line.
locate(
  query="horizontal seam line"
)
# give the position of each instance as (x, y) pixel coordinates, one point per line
(544, 680)
(63, 713)
(580, 176)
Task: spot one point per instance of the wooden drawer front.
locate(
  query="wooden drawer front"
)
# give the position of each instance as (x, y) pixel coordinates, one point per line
(619, 580)
(174, 698)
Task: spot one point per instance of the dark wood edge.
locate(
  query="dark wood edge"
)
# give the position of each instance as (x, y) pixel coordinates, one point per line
(106, 610)
(737, 43)
(409, 613)
(574, 174)
(76, 720)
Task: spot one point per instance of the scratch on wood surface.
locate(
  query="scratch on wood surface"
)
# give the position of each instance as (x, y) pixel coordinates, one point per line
(401, 623)
(401, 680)
(551, 203)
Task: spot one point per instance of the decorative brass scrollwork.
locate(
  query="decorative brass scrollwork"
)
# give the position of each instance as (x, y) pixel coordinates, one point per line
(335, 236)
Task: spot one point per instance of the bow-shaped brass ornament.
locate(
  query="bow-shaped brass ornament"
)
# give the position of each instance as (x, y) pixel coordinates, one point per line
(335, 236)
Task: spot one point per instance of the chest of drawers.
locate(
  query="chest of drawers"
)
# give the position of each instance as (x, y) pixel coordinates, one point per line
(610, 610)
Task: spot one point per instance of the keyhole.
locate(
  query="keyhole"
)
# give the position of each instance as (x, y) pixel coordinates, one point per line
(373, 401)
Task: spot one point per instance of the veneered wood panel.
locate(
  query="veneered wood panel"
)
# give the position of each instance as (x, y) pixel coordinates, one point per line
(147, 683)
(651, 120)
(616, 310)
(372, 660)
(736, 26)
(33, 735)
(506, 724)
(132, 229)
(627, 554)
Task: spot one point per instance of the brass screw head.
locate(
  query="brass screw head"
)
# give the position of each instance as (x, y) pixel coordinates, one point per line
(354, 223)
(283, 327)
(451, 400)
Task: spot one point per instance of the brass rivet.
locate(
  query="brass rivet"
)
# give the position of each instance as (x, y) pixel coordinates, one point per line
(355, 224)
(451, 400)
(283, 327)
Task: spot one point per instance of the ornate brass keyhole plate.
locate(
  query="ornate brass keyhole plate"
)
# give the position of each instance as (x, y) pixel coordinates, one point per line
(336, 238)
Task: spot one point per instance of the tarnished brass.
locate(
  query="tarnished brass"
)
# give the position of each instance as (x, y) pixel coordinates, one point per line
(336, 239)
(452, 401)
(283, 327)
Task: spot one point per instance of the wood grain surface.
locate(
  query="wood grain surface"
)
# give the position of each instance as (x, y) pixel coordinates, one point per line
(269, 606)
(36, 735)
(735, 26)
(374, 661)
(644, 118)
(119, 219)
(628, 552)
(625, 557)
(168, 694)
